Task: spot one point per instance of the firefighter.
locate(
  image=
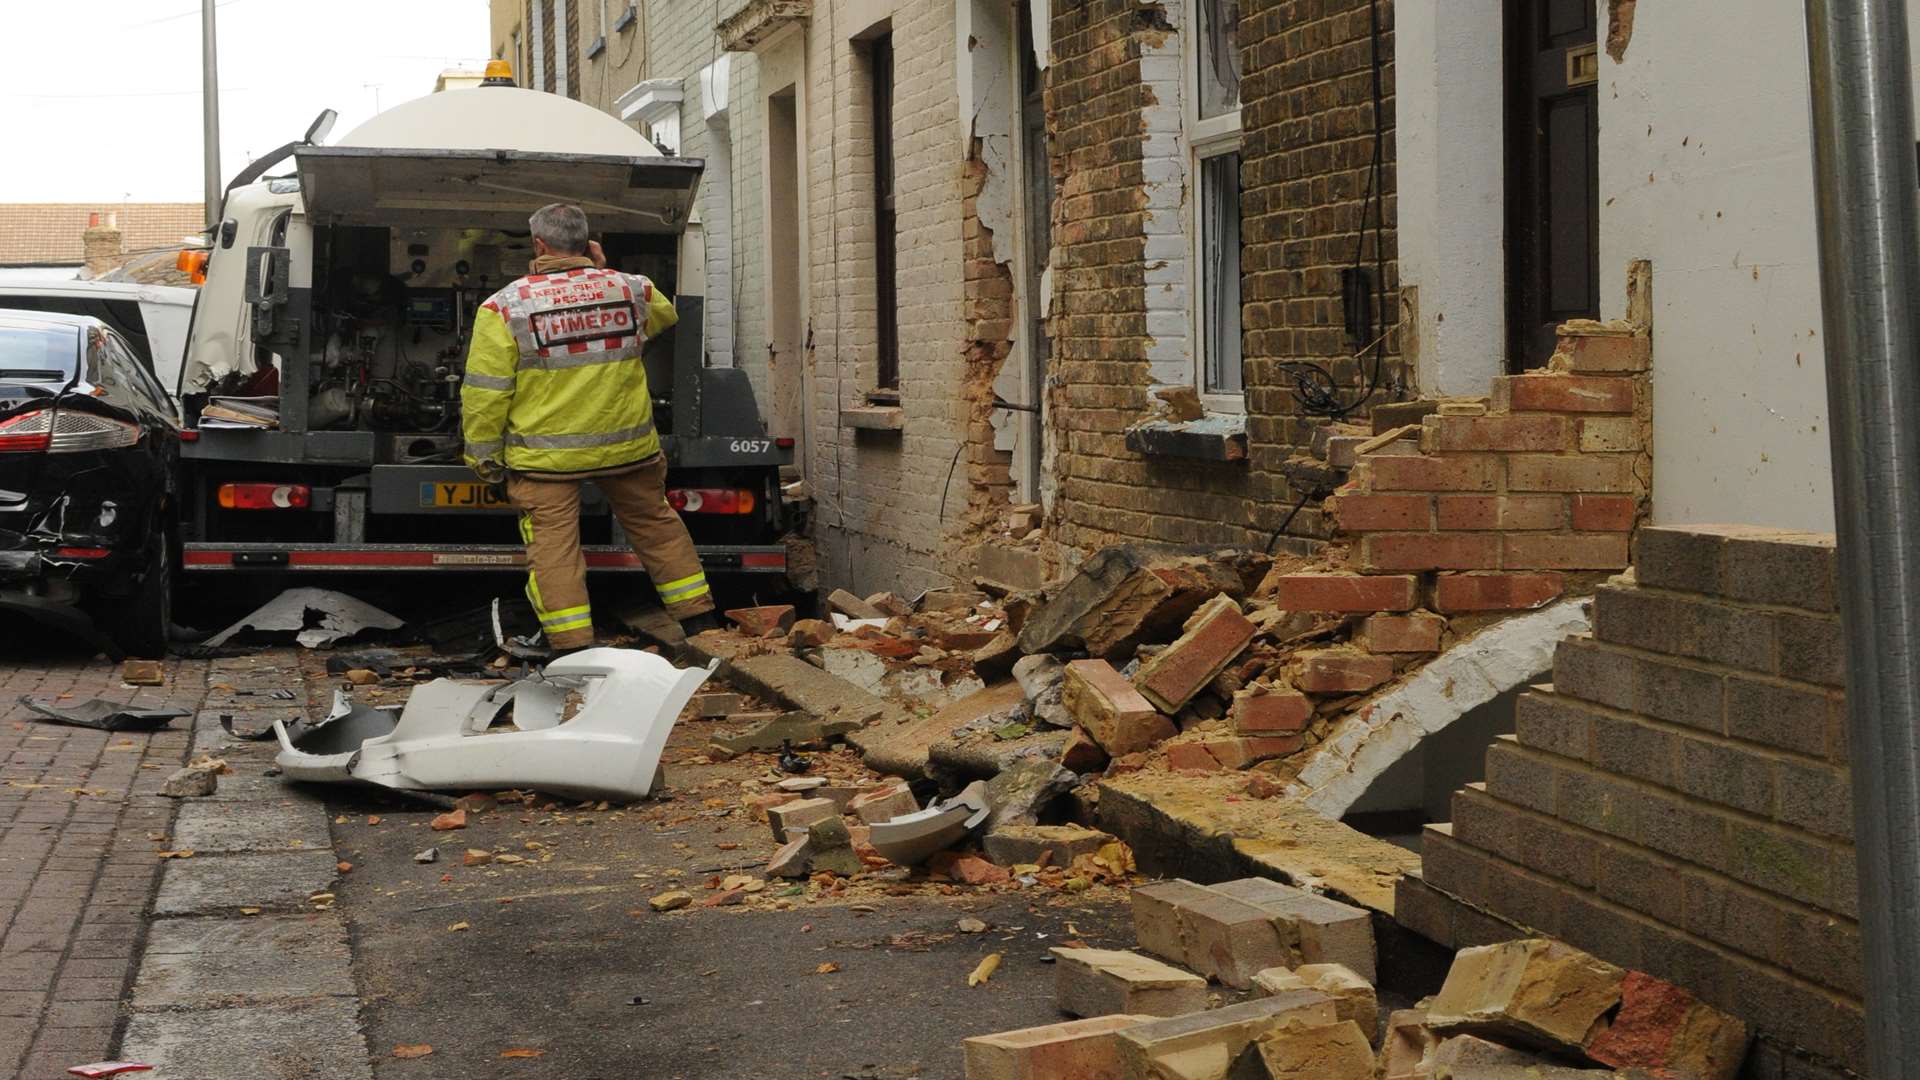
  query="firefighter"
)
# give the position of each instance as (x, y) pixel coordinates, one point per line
(555, 394)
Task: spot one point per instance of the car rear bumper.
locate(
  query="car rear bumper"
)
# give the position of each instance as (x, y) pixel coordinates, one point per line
(208, 557)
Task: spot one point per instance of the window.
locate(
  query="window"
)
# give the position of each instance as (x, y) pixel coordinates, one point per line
(887, 292)
(1213, 136)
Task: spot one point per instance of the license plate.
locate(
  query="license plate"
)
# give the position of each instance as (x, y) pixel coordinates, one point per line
(461, 495)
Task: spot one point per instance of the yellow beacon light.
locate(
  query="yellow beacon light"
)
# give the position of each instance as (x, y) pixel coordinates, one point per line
(499, 73)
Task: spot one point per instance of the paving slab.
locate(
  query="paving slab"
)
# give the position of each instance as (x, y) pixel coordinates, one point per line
(210, 962)
(263, 1042)
(215, 827)
(221, 884)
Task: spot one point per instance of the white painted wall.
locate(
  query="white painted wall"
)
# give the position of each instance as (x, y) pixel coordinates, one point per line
(1448, 131)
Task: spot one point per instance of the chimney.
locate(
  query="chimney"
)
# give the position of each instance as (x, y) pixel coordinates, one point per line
(101, 243)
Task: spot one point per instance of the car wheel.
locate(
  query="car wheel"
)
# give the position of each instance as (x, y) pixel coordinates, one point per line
(148, 615)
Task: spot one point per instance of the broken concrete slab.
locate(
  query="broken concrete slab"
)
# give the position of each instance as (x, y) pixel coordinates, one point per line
(986, 754)
(212, 828)
(1354, 997)
(286, 1039)
(1214, 1044)
(1307, 1051)
(1321, 930)
(1096, 982)
(1210, 640)
(1109, 709)
(1021, 793)
(901, 743)
(1216, 935)
(1122, 596)
(1053, 845)
(215, 962)
(1072, 1050)
(222, 884)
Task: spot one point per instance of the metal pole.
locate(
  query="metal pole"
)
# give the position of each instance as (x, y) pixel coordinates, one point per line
(1865, 179)
(210, 112)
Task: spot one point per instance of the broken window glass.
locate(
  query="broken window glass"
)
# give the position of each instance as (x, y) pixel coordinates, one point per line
(1219, 57)
(1220, 269)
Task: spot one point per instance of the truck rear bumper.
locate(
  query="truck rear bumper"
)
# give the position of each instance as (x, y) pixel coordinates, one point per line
(348, 558)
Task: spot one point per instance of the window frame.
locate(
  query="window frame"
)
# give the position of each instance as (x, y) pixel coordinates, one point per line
(1206, 138)
(886, 224)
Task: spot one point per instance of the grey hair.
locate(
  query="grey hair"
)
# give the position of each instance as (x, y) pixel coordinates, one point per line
(562, 225)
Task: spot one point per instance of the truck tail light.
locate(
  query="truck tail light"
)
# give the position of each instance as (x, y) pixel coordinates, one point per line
(57, 431)
(710, 500)
(784, 442)
(265, 496)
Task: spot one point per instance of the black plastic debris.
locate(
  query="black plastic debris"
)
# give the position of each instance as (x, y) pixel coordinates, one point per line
(104, 715)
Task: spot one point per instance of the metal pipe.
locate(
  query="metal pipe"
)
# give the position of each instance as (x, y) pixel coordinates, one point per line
(210, 112)
(1867, 188)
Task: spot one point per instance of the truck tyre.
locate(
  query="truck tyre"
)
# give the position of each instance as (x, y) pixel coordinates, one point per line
(142, 626)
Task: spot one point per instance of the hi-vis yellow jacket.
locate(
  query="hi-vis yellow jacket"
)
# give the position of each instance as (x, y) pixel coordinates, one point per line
(554, 378)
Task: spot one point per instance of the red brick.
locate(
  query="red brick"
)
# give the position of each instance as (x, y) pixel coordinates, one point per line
(1381, 513)
(1192, 755)
(1110, 710)
(1240, 751)
(1341, 671)
(1498, 433)
(1449, 473)
(1416, 633)
(1552, 392)
(1662, 1027)
(1430, 551)
(1566, 551)
(1605, 513)
(1346, 592)
(1486, 512)
(1278, 712)
(761, 621)
(1581, 472)
(1600, 353)
(1457, 593)
(1215, 634)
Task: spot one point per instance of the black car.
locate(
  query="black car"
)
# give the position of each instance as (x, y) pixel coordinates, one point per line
(89, 449)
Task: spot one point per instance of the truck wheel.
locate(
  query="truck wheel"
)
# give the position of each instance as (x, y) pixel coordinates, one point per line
(142, 627)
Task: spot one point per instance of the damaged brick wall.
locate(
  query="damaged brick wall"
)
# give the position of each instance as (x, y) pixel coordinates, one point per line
(990, 313)
(1678, 799)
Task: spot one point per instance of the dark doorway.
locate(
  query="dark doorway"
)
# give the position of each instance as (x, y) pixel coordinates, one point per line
(1553, 173)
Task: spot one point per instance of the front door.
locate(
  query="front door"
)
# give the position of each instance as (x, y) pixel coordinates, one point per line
(1553, 173)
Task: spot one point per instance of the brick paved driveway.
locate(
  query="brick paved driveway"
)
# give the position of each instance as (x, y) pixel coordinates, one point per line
(80, 824)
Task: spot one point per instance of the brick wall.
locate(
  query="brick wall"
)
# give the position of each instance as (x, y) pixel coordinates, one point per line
(1677, 800)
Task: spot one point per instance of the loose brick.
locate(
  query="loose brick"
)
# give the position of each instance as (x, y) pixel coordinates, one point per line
(763, 621)
(1570, 473)
(1457, 594)
(1340, 670)
(1419, 632)
(1275, 712)
(1605, 353)
(1662, 1027)
(1353, 997)
(1485, 512)
(1346, 592)
(1212, 1039)
(1053, 845)
(1215, 634)
(1110, 710)
(1554, 392)
(1605, 513)
(1324, 931)
(1406, 1050)
(1565, 551)
(1192, 755)
(1240, 751)
(1430, 551)
(1532, 989)
(885, 804)
(1337, 1051)
(799, 814)
(1610, 434)
(1075, 1048)
(1208, 930)
(1537, 433)
(1380, 513)
(1687, 626)
(1449, 473)
(1097, 982)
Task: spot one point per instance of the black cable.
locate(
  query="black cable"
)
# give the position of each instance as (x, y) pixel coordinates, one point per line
(1288, 520)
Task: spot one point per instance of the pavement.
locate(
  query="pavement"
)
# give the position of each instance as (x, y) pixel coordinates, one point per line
(301, 938)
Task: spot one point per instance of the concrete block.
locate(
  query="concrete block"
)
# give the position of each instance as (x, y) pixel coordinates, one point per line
(1216, 634)
(799, 814)
(1065, 1051)
(1108, 708)
(1535, 990)
(1058, 845)
(1216, 1044)
(884, 804)
(1217, 935)
(1307, 1051)
(711, 706)
(1318, 930)
(1096, 982)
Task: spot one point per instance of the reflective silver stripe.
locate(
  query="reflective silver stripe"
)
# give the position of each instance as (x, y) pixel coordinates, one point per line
(579, 442)
(489, 382)
(480, 451)
(561, 360)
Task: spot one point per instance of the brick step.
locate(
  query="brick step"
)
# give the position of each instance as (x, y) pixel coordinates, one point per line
(1791, 644)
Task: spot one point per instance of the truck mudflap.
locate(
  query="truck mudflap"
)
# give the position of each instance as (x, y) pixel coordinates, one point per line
(205, 557)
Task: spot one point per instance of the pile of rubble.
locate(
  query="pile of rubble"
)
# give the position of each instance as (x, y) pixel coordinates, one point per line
(1523, 1010)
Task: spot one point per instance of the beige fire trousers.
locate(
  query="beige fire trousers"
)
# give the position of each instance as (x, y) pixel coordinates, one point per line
(557, 571)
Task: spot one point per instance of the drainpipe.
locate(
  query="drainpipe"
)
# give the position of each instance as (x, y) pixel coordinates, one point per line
(1865, 180)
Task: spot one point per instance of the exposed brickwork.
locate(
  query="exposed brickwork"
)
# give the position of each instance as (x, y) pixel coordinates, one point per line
(1678, 799)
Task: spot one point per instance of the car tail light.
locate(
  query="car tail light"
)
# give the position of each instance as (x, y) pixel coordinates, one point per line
(784, 442)
(64, 431)
(710, 500)
(265, 496)
(81, 552)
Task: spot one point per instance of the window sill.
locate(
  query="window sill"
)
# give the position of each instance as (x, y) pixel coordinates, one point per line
(626, 18)
(874, 418)
(599, 46)
(1210, 438)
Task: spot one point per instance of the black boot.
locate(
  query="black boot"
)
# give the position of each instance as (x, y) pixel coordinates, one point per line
(700, 624)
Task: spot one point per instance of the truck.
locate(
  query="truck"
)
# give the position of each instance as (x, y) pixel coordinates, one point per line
(321, 384)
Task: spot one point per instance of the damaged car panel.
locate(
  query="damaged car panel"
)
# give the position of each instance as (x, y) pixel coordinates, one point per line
(450, 734)
(89, 448)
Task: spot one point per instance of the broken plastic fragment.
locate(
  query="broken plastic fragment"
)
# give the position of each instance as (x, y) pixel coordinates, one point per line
(315, 617)
(913, 838)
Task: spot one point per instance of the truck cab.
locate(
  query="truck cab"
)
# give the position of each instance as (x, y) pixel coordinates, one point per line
(322, 378)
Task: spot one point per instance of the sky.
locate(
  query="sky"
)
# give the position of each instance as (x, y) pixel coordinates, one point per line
(105, 104)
